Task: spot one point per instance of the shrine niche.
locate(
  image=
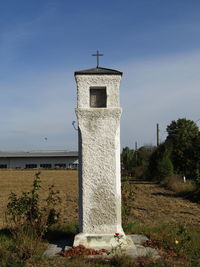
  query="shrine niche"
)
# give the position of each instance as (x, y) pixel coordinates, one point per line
(98, 97)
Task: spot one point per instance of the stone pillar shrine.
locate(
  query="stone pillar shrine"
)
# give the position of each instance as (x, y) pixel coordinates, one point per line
(98, 112)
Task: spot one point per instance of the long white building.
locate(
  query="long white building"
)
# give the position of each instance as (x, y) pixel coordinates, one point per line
(39, 159)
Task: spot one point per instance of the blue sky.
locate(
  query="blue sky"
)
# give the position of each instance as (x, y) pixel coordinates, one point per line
(156, 44)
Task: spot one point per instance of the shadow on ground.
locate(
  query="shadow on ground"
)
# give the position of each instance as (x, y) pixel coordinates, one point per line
(191, 196)
(5, 232)
(60, 238)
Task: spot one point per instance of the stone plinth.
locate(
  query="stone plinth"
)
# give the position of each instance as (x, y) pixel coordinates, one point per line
(105, 241)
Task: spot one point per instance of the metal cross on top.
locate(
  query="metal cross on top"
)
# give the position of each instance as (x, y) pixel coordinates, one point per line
(97, 55)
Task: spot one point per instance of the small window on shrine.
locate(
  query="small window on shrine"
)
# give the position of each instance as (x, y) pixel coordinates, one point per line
(98, 97)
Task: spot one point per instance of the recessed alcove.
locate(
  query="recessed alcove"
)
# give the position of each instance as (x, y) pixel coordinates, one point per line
(98, 97)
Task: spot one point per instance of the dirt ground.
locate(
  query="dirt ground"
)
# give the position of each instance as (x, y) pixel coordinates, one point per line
(155, 205)
(152, 204)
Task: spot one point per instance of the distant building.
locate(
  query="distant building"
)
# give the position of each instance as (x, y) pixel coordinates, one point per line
(39, 159)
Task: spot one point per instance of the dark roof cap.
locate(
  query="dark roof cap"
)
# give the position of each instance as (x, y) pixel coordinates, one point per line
(98, 71)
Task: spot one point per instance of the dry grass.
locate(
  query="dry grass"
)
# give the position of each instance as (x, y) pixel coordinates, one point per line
(176, 184)
(155, 205)
(64, 181)
(150, 204)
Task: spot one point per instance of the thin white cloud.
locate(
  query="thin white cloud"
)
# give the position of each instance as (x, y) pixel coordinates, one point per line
(158, 91)
(41, 106)
(154, 91)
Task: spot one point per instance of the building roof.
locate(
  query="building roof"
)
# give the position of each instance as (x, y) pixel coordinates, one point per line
(38, 154)
(98, 71)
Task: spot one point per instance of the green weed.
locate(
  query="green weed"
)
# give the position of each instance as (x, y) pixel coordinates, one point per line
(128, 196)
(28, 219)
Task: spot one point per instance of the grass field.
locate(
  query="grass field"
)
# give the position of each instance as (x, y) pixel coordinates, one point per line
(171, 222)
(64, 181)
(149, 204)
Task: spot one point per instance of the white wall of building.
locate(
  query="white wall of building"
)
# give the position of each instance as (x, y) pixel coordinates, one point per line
(23, 162)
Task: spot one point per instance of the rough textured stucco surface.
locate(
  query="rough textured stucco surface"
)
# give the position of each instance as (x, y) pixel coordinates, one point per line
(99, 157)
(111, 82)
(100, 190)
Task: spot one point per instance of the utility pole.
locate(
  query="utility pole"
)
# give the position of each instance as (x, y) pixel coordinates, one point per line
(136, 153)
(157, 134)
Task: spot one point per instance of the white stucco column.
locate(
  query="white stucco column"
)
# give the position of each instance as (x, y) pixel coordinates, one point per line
(98, 112)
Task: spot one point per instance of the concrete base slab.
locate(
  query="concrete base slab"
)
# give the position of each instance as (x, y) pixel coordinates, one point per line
(138, 239)
(135, 251)
(57, 247)
(142, 251)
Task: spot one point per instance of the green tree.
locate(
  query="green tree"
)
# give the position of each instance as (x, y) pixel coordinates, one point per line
(182, 135)
(143, 155)
(196, 153)
(164, 167)
(128, 159)
(160, 164)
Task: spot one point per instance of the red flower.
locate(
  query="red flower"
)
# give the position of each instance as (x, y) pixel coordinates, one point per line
(116, 234)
